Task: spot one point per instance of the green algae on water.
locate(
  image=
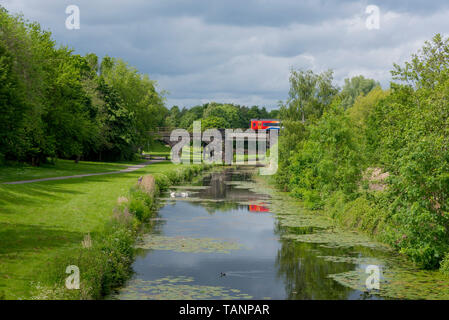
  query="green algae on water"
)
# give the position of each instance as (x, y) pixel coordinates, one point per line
(353, 260)
(176, 288)
(399, 283)
(301, 221)
(336, 239)
(186, 244)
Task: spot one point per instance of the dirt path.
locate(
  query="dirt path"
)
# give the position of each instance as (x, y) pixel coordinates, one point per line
(128, 169)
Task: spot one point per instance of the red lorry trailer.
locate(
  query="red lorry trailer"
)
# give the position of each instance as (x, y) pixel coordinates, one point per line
(265, 124)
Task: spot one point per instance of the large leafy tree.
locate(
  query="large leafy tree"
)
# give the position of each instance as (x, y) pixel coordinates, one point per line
(13, 106)
(116, 123)
(58, 104)
(139, 96)
(174, 117)
(309, 94)
(228, 113)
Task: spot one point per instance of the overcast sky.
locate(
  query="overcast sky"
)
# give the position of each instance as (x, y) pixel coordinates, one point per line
(241, 51)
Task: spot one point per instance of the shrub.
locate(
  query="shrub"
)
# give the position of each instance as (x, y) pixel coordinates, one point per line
(444, 266)
(361, 213)
(417, 232)
(140, 205)
(162, 182)
(173, 176)
(328, 160)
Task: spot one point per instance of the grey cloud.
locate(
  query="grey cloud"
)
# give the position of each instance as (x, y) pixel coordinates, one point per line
(241, 51)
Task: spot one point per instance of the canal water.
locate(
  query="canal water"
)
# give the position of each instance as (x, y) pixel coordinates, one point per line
(227, 236)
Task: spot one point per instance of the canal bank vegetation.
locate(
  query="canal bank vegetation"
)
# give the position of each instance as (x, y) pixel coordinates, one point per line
(376, 160)
(104, 259)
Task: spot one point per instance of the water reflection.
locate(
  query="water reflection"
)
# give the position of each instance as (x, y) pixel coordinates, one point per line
(257, 208)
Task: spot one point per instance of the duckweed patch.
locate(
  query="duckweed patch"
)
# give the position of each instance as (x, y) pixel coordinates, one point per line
(400, 283)
(353, 260)
(296, 220)
(336, 239)
(176, 288)
(186, 244)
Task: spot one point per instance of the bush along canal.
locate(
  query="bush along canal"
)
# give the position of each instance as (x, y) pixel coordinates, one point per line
(229, 235)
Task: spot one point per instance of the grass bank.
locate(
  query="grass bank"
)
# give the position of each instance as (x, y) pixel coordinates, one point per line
(43, 225)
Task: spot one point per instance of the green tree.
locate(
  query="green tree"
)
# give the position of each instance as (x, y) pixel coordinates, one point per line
(174, 117)
(363, 106)
(117, 130)
(227, 112)
(213, 122)
(411, 127)
(139, 96)
(12, 104)
(355, 87)
(328, 160)
(310, 93)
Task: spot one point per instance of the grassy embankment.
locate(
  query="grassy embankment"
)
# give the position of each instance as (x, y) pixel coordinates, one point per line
(43, 224)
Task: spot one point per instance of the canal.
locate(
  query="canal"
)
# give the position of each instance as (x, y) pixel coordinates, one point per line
(228, 235)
